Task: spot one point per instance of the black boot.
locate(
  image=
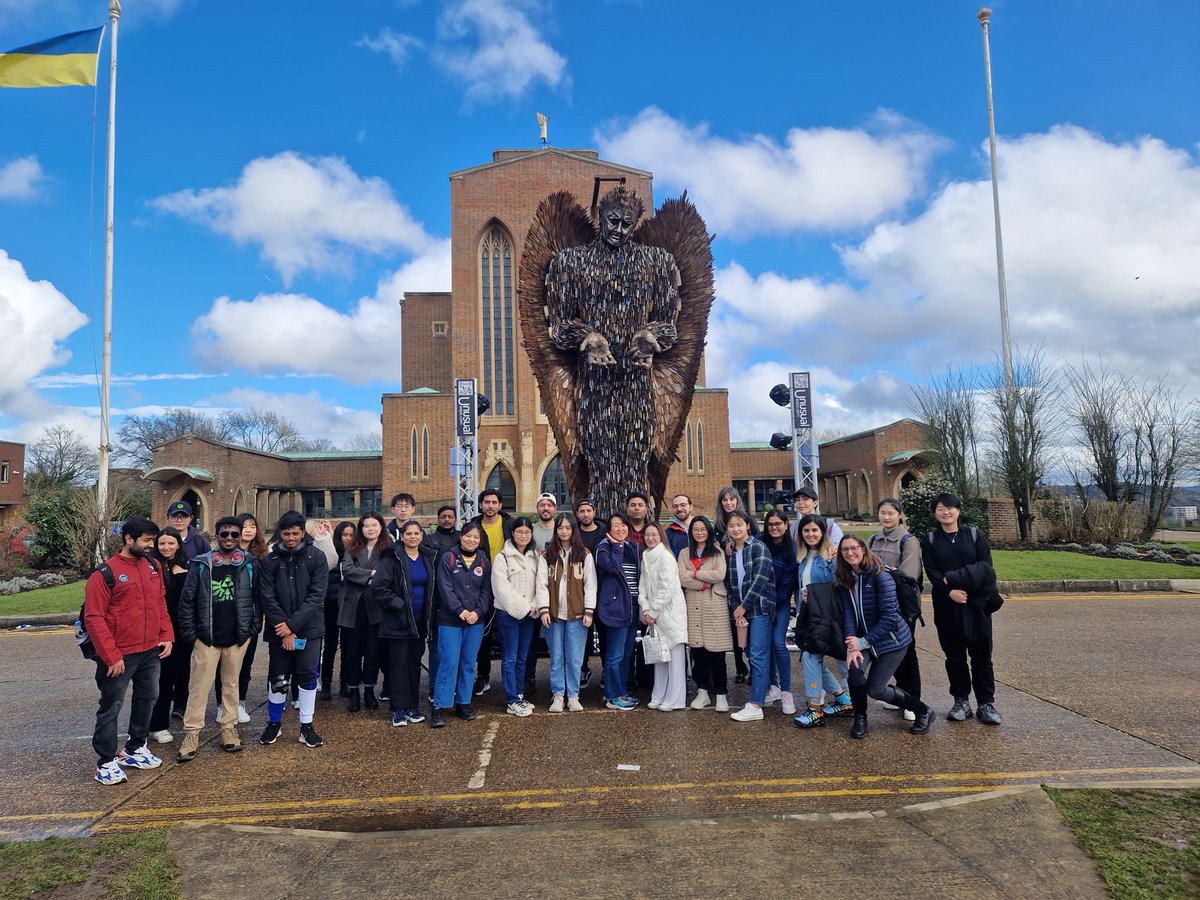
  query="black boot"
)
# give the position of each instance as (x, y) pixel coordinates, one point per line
(858, 697)
(326, 692)
(924, 714)
(344, 690)
(354, 704)
(369, 700)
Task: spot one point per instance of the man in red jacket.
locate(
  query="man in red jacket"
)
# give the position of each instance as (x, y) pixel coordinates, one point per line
(131, 631)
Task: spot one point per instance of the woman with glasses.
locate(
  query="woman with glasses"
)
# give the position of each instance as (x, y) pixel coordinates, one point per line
(358, 617)
(464, 586)
(876, 635)
(778, 540)
(896, 549)
(518, 578)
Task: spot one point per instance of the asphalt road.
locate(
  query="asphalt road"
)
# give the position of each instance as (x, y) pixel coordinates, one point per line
(1095, 689)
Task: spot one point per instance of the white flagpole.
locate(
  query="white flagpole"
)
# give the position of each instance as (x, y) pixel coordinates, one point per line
(114, 15)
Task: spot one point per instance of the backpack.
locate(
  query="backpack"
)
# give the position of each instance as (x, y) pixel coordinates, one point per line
(82, 638)
(908, 591)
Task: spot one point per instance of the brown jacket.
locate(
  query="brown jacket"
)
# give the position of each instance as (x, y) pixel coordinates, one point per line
(707, 603)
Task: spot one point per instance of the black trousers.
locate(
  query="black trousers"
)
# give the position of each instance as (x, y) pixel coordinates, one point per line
(141, 669)
(174, 673)
(708, 670)
(963, 677)
(908, 673)
(360, 650)
(404, 672)
(739, 654)
(329, 650)
(483, 659)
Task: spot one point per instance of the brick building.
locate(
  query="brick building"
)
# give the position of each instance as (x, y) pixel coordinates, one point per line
(472, 330)
(12, 483)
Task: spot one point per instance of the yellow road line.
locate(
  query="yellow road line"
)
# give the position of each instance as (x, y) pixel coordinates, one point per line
(27, 632)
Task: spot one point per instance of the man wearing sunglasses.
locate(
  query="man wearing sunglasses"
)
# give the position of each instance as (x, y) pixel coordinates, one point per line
(216, 610)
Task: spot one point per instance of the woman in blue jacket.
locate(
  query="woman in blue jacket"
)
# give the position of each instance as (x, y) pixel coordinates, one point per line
(750, 585)
(876, 635)
(618, 569)
(464, 587)
(814, 626)
(778, 540)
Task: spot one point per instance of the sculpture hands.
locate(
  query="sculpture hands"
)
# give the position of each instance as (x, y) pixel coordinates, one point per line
(644, 346)
(597, 350)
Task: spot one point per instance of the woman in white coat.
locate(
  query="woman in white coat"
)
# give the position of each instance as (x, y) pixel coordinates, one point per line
(518, 590)
(660, 598)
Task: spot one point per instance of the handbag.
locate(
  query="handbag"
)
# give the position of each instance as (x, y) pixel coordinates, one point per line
(654, 647)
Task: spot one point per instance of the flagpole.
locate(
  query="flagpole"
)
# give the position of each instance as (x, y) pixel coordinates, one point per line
(114, 15)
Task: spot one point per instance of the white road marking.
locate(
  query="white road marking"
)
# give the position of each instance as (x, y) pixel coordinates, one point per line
(485, 757)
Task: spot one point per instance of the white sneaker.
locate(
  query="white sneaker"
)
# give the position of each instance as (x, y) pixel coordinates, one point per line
(162, 737)
(910, 716)
(521, 709)
(556, 705)
(110, 773)
(748, 713)
(243, 716)
(722, 703)
(789, 703)
(701, 700)
(574, 705)
(888, 705)
(773, 694)
(141, 758)
(653, 704)
(296, 704)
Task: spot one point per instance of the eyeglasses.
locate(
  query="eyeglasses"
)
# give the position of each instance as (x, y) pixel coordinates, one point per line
(851, 549)
(229, 534)
(178, 516)
(777, 524)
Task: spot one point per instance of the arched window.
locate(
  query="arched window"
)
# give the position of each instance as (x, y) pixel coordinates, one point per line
(691, 458)
(554, 481)
(700, 446)
(425, 452)
(413, 463)
(500, 479)
(496, 308)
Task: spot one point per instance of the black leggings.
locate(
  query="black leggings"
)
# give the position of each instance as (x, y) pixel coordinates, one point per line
(708, 670)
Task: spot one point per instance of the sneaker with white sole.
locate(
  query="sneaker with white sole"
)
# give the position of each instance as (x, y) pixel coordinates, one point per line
(141, 758)
(840, 706)
(399, 720)
(309, 737)
(748, 713)
(701, 700)
(653, 704)
(621, 703)
(110, 773)
(556, 705)
(162, 737)
(188, 747)
(270, 734)
(788, 703)
(414, 716)
(773, 694)
(523, 709)
(722, 703)
(243, 716)
(574, 705)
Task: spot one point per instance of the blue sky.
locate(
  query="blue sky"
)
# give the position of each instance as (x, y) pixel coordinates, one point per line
(281, 179)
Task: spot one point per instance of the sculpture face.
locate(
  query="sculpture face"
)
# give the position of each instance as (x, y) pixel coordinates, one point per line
(616, 225)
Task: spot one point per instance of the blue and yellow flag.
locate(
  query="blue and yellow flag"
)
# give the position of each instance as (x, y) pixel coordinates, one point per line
(64, 60)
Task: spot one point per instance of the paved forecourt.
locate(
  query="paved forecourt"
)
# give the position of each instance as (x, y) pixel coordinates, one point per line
(1073, 688)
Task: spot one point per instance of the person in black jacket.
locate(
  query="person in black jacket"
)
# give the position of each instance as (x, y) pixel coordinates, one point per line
(403, 589)
(292, 596)
(217, 613)
(343, 534)
(963, 583)
(173, 671)
(441, 539)
(495, 527)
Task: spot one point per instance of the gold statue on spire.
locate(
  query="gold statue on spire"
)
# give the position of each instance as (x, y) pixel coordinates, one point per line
(542, 120)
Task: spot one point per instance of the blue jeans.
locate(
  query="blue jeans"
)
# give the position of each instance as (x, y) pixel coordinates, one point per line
(515, 637)
(781, 660)
(565, 638)
(818, 678)
(618, 653)
(457, 646)
(758, 651)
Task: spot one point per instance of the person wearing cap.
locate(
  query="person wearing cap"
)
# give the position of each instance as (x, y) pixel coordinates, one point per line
(182, 519)
(805, 501)
(543, 528)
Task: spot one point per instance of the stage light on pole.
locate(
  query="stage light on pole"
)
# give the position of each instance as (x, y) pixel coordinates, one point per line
(781, 441)
(781, 395)
(482, 404)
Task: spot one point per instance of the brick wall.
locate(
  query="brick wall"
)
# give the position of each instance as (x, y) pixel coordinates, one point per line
(427, 327)
(401, 413)
(12, 490)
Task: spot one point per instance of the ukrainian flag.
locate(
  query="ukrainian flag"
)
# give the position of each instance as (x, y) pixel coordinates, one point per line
(64, 60)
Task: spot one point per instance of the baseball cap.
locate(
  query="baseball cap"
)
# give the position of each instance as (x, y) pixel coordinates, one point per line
(805, 492)
(549, 497)
(179, 506)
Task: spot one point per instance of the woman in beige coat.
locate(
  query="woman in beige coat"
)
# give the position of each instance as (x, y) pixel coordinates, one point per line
(702, 574)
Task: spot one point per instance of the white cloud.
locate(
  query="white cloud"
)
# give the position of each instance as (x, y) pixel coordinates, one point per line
(494, 50)
(313, 415)
(88, 379)
(297, 334)
(1099, 241)
(21, 178)
(818, 178)
(398, 47)
(35, 318)
(304, 213)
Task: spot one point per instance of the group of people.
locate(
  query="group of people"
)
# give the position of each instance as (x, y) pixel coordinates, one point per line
(178, 618)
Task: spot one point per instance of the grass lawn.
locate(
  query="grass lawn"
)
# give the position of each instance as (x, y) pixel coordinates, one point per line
(137, 866)
(64, 598)
(1146, 843)
(1055, 565)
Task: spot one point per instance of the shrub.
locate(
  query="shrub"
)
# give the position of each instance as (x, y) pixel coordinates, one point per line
(51, 579)
(1097, 548)
(1152, 545)
(1178, 548)
(1159, 556)
(1193, 559)
(1125, 551)
(1072, 546)
(17, 585)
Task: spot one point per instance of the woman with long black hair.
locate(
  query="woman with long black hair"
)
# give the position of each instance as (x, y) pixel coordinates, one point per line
(750, 583)
(174, 670)
(343, 536)
(518, 577)
(730, 501)
(569, 603)
(778, 540)
(702, 575)
(358, 618)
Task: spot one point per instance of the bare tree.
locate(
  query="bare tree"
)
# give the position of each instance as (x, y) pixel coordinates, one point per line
(365, 440)
(1163, 444)
(139, 435)
(946, 405)
(264, 429)
(60, 457)
(1099, 407)
(1025, 419)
